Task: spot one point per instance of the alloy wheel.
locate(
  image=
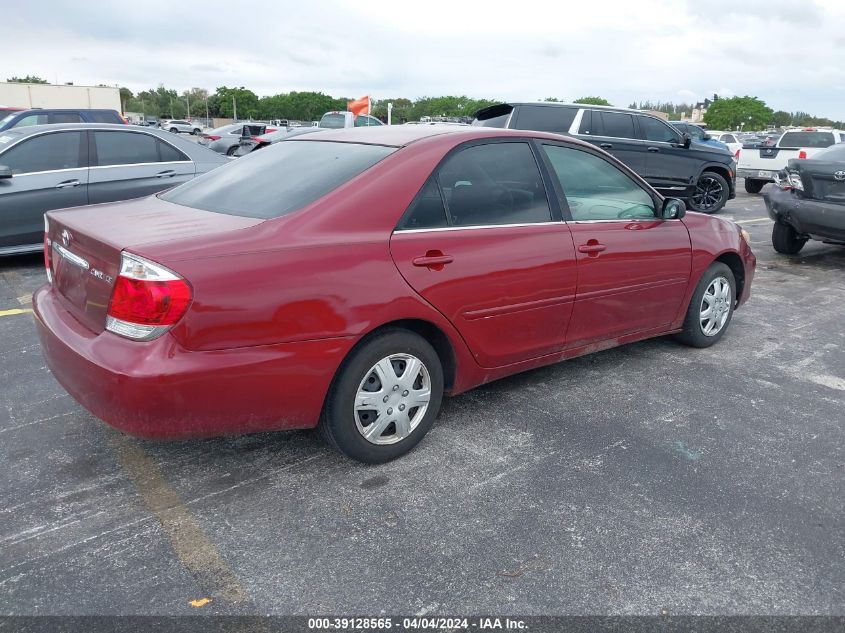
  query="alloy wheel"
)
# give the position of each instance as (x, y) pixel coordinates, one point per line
(708, 193)
(715, 306)
(392, 399)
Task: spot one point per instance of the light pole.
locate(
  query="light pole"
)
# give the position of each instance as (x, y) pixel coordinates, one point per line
(207, 119)
(188, 105)
(234, 109)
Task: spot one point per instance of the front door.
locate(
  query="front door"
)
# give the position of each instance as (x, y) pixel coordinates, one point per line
(615, 133)
(49, 172)
(670, 167)
(480, 244)
(633, 268)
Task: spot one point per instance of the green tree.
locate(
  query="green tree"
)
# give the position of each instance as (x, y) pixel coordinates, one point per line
(240, 99)
(781, 118)
(750, 113)
(29, 79)
(593, 101)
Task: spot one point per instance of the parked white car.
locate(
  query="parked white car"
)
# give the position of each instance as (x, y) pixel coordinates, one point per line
(179, 125)
(760, 164)
(728, 138)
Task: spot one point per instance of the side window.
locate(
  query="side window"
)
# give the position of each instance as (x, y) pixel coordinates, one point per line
(492, 184)
(364, 120)
(45, 153)
(595, 189)
(615, 124)
(696, 132)
(64, 117)
(586, 126)
(105, 116)
(169, 153)
(657, 131)
(427, 211)
(32, 119)
(125, 148)
(546, 118)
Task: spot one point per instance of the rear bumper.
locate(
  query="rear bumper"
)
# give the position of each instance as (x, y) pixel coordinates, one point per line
(813, 218)
(158, 389)
(754, 174)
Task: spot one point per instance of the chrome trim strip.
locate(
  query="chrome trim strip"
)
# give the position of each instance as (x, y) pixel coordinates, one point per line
(479, 226)
(73, 259)
(169, 162)
(49, 171)
(625, 220)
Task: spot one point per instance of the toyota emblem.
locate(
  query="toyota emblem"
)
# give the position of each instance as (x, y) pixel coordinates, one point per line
(839, 175)
(66, 237)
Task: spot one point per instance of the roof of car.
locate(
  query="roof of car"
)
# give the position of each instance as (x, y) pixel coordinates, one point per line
(401, 135)
(30, 130)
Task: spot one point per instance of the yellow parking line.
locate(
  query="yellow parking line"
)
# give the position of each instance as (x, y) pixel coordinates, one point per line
(754, 220)
(15, 311)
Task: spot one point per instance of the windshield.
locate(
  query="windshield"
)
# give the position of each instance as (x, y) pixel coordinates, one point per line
(252, 186)
(7, 118)
(807, 139)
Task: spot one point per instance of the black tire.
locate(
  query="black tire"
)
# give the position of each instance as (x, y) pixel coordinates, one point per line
(174, 130)
(710, 194)
(338, 424)
(693, 333)
(231, 151)
(754, 186)
(196, 132)
(786, 240)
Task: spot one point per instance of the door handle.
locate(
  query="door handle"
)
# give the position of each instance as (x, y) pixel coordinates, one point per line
(654, 149)
(591, 247)
(68, 183)
(606, 145)
(166, 174)
(435, 260)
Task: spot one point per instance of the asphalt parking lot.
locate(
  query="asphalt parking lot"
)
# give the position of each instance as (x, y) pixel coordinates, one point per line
(649, 477)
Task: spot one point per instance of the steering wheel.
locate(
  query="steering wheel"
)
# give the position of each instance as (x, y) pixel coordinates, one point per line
(631, 213)
(503, 198)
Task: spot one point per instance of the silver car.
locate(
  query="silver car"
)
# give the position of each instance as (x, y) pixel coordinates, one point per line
(178, 125)
(227, 139)
(47, 167)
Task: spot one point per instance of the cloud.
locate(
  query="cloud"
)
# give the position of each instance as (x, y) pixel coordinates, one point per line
(623, 51)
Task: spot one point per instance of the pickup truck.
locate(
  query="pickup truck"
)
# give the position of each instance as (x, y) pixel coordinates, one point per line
(337, 120)
(759, 164)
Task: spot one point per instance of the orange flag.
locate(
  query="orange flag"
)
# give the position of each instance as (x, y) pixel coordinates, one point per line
(359, 106)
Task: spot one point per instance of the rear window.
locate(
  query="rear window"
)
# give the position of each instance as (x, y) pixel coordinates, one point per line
(546, 118)
(333, 121)
(278, 180)
(807, 139)
(493, 116)
(105, 117)
(613, 124)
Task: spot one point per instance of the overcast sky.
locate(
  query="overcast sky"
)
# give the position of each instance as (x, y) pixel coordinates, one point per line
(790, 53)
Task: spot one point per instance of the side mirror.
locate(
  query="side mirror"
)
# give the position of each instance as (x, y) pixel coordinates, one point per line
(687, 140)
(673, 209)
(706, 137)
(5, 172)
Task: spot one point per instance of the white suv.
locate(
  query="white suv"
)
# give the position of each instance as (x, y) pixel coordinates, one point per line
(178, 125)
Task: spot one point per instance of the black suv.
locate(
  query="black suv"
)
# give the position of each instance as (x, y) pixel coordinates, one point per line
(701, 175)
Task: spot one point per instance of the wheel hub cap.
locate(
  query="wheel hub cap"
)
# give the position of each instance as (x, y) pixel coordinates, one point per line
(715, 306)
(392, 399)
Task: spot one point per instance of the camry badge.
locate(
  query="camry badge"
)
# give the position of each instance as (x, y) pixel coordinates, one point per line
(839, 175)
(66, 237)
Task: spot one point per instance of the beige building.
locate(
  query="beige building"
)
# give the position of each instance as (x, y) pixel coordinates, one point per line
(18, 95)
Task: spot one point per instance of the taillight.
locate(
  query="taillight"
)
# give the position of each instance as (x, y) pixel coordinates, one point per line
(147, 299)
(48, 256)
(736, 156)
(802, 154)
(258, 139)
(211, 137)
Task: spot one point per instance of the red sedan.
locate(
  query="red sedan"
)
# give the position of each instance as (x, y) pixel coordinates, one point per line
(349, 279)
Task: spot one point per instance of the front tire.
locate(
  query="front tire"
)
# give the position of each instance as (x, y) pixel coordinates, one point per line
(786, 240)
(711, 307)
(711, 193)
(754, 186)
(174, 130)
(196, 132)
(384, 398)
(231, 151)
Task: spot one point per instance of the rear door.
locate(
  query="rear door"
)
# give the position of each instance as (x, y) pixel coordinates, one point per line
(615, 133)
(482, 245)
(50, 171)
(669, 166)
(133, 164)
(633, 268)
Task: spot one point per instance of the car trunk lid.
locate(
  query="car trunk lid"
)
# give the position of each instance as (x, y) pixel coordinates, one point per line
(86, 244)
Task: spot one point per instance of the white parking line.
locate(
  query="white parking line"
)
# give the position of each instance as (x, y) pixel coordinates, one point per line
(754, 220)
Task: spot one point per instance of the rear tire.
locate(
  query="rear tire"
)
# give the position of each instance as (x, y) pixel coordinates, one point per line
(754, 186)
(196, 131)
(701, 329)
(174, 130)
(371, 428)
(710, 194)
(231, 151)
(786, 240)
